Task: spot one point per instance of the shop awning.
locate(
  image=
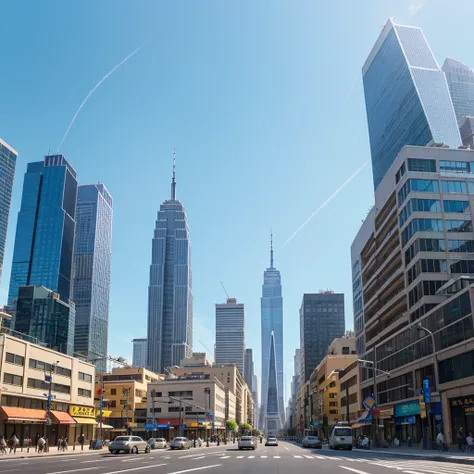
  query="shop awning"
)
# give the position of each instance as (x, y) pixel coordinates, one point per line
(85, 421)
(28, 415)
(62, 418)
(365, 418)
(104, 427)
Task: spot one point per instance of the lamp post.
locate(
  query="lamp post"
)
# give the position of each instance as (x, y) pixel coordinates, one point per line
(50, 396)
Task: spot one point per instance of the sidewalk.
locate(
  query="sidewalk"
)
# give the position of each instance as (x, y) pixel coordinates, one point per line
(53, 451)
(454, 456)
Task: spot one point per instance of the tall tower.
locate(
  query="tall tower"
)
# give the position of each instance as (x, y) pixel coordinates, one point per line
(230, 334)
(170, 298)
(92, 260)
(273, 421)
(44, 241)
(461, 87)
(271, 322)
(8, 157)
(406, 97)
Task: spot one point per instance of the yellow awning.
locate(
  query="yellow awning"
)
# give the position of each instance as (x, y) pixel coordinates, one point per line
(85, 421)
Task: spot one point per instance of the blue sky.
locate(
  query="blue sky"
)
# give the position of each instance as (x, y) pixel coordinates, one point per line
(264, 103)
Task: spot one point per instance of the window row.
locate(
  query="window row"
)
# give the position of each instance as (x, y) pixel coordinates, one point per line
(422, 185)
(14, 359)
(461, 266)
(456, 166)
(421, 165)
(42, 385)
(85, 377)
(424, 288)
(12, 379)
(426, 266)
(455, 206)
(437, 245)
(45, 367)
(424, 205)
(82, 392)
(434, 225)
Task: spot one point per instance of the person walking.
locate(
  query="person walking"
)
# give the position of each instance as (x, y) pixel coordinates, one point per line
(81, 440)
(60, 443)
(3, 445)
(37, 437)
(64, 444)
(26, 443)
(41, 444)
(14, 442)
(461, 439)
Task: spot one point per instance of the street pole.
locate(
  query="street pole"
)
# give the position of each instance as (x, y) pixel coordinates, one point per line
(101, 402)
(348, 416)
(47, 431)
(180, 417)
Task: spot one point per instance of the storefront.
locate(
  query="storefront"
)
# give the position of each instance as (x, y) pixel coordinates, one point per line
(84, 422)
(21, 421)
(408, 424)
(61, 426)
(462, 414)
(386, 423)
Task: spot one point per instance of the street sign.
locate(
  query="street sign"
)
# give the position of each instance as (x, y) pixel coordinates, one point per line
(47, 378)
(426, 391)
(369, 403)
(48, 420)
(422, 410)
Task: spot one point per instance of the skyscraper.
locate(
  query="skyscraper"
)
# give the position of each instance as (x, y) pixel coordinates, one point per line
(8, 157)
(92, 259)
(44, 242)
(406, 97)
(249, 368)
(271, 304)
(170, 298)
(321, 321)
(230, 334)
(139, 352)
(461, 87)
(273, 420)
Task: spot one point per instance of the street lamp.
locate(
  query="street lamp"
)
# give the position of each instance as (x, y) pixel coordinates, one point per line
(50, 396)
(435, 359)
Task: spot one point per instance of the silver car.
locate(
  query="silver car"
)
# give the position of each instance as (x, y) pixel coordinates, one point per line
(247, 442)
(181, 443)
(129, 444)
(157, 443)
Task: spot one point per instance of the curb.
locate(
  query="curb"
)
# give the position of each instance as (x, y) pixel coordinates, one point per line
(435, 457)
(43, 456)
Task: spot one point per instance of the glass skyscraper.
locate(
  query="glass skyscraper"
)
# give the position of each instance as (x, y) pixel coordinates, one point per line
(461, 86)
(273, 420)
(8, 157)
(271, 322)
(44, 242)
(92, 259)
(406, 96)
(170, 298)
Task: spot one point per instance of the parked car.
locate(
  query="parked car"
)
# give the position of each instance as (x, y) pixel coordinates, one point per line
(311, 442)
(271, 441)
(341, 438)
(129, 444)
(181, 443)
(158, 443)
(247, 442)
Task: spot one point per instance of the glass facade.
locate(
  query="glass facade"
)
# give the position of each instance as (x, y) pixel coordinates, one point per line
(8, 157)
(40, 314)
(44, 241)
(271, 304)
(170, 298)
(461, 86)
(92, 260)
(407, 97)
(272, 410)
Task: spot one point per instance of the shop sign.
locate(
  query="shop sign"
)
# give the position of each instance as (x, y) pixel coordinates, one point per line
(422, 409)
(86, 412)
(463, 401)
(407, 409)
(369, 403)
(386, 412)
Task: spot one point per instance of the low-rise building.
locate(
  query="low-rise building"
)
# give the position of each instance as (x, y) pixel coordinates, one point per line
(125, 395)
(26, 370)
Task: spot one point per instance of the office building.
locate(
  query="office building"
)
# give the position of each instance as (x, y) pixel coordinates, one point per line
(412, 262)
(273, 419)
(321, 321)
(170, 298)
(140, 349)
(44, 241)
(271, 304)
(256, 406)
(460, 80)
(92, 259)
(43, 316)
(230, 334)
(466, 127)
(8, 157)
(23, 405)
(249, 368)
(406, 97)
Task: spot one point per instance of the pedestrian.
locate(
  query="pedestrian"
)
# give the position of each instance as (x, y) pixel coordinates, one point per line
(14, 442)
(64, 444)
(440, 441)
(60, 442)
(81, 439)
(26, 443)
(3, 445)
(41, 444)
(37, 437)
(409, 443)
(461, 439)
(470, 442)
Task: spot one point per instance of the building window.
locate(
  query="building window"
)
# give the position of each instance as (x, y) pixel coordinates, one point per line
(85, 377)
(421, 165)
(454, 187)
(175, 409)
(345, 350)
(14, 359)
(454, 166)
(188, 393)
(12, 379)
(458, 226)
(333, 412)
(113, 391)
(42, 385)
(82, 392)
(455, 206)
(45, 367)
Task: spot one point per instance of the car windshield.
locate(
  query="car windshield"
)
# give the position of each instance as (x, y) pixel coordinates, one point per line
(312, 438)
(343, 432)
(246, 438)
(179, 439)
(122, 438)
(160, 440)
(272, 438)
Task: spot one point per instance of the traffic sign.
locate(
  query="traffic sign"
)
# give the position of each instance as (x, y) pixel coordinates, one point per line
(369, 403)
(426, 391)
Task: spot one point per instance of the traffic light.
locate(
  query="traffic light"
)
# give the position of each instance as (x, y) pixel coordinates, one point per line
(99, 392)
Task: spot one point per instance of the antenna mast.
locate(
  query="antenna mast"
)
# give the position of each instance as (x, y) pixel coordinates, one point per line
(223, 287)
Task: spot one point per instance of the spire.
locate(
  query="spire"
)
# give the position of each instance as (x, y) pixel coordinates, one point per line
(173, 181)
(271, 249)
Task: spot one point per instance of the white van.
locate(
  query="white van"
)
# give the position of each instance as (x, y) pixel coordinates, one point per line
(341, 438)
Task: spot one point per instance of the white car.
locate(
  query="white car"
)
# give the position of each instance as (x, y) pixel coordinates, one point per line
(271, 441)
(158, 443)
(247, 442)
(341, 438)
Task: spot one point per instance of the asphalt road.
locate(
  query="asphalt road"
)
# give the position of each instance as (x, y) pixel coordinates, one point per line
(286, 458)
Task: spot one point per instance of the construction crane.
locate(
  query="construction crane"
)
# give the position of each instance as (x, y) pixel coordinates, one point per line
(223, 287)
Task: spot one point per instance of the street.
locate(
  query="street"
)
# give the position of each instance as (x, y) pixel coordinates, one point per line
(285, 458)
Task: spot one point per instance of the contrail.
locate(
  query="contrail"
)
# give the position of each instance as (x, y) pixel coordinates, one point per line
(94, 89)
(327, 201)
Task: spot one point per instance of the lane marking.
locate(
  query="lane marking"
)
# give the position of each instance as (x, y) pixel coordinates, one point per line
(186, 470)
(308, 457)
(97, 460)
(250, 457)
(225, 457)
(238, 457)
(200, 457)
(320, 457)
(286, 448)
(276, 457)
(357, 471)
(132, 469)
(297, 456)
(412, 472)
(74, 470)
(167, 457)
(263, 457)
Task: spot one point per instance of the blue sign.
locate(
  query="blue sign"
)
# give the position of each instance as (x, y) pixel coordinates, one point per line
(408, 420)
(426, 391)
(407, 409)
(47, 378)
